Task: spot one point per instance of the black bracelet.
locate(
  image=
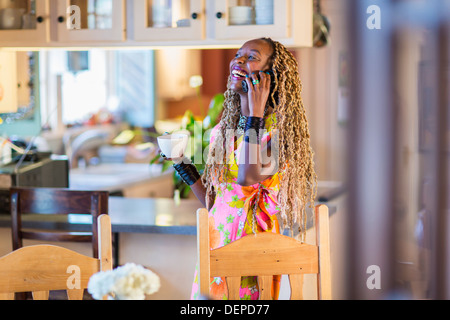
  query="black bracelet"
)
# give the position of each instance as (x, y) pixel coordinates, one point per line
(254, 123)
(187, 171)
(252, 129)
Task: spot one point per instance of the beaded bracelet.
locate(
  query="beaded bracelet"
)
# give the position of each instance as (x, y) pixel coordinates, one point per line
(187, 171)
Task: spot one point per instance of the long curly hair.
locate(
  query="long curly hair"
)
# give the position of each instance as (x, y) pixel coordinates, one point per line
(298, 180)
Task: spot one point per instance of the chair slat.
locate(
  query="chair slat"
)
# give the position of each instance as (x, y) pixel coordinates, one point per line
(234, 286)
(57, 236)
(7, 296)
(104, 241)
(265, 287)
(75, 294)
(40, 295)
(296, 284)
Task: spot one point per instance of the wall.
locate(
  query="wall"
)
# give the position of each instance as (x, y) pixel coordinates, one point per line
(320, 69)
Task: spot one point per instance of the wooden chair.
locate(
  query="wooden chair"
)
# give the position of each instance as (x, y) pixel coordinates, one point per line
(56, 201)
(265, 255)
(43, 268)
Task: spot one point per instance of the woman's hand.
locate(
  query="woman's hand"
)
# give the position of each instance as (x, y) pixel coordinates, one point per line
(174, 160)
(258, 92)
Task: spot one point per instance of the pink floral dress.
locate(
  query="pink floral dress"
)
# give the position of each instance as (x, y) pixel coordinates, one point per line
(231, 218)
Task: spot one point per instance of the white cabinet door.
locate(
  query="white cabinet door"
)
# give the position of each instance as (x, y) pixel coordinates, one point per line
(168, 20)
(265, 19)
(25, 26)
(88, 20)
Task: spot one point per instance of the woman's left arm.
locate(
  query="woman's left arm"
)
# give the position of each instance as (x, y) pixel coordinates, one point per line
(256, 164)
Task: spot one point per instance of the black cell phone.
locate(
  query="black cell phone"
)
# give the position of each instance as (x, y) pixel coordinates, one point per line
(272, 82)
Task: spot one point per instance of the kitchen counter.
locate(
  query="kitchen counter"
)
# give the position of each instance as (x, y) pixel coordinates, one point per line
(127, 179)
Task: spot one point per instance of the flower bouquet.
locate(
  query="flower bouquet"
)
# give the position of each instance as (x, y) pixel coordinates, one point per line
(128, 282)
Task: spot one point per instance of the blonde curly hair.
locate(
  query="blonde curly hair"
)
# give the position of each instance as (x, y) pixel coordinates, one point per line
(298, 180)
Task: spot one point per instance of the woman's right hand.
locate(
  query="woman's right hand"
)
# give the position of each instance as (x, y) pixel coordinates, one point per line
(258, 93)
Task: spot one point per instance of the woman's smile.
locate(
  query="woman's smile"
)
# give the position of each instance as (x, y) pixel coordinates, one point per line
(238, 73)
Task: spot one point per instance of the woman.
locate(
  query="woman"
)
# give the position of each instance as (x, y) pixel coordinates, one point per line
(260, 170)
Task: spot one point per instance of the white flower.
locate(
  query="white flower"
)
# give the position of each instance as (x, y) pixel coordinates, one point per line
(100, 284)
(195, 81)
(129, 282)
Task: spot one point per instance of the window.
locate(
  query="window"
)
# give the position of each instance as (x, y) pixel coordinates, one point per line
(77, 85)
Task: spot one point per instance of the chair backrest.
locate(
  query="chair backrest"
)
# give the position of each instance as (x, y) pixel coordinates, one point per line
(43, 268)
(56, 201)
(264, 255)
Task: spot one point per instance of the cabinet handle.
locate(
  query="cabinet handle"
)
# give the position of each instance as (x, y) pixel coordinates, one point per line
(60, 19)
(40, 19)
(219, 15)
(194, 16)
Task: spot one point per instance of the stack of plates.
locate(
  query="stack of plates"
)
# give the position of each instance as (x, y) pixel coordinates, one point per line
(264, 11)
(241, 15)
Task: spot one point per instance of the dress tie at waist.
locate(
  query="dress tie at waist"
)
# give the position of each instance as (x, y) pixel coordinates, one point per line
(255, 200)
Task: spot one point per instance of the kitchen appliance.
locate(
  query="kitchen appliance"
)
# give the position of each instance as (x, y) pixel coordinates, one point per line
(37, 170)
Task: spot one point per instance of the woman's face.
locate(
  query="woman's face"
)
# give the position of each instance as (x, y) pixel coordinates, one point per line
(253, 56)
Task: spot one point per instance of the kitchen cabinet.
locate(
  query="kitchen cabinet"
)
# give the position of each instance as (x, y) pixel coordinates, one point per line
(47, 23)
(228, 27)
(156, 20)
(87, 21)
(24, 23)
(216, 22)
(157, 23)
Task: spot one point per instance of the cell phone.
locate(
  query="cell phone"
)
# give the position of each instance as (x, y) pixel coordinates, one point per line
(272, 82)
